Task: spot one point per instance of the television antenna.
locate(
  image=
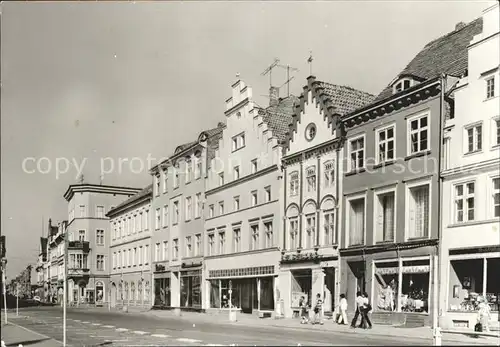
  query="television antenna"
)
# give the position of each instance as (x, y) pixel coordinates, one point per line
(288, 79)
(269, 71)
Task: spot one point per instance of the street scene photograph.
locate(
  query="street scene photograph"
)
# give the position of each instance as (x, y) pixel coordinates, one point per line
(250, 173)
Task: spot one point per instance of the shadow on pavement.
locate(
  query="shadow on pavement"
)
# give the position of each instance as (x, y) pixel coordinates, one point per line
(27, 343)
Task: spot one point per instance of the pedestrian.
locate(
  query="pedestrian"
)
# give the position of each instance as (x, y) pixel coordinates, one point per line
(318, 308)
(304, 312)
(365, 310)
(342, 317)
(483, 314)
(359, 303)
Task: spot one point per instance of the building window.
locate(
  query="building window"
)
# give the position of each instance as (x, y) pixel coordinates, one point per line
(176, 212)
(176, 249)
(238, 142)
(157, 252)
(357, 222)
(385, 144)
(221, 179)
(176, 176)
(255, 236)
(294, 183)
(236, 240)
(165, 216)
(311, 178)
(222, 242)
(99, 234)
(197, 202)
(310, 231)
(211, 211)
(81, 235)
(133, 224)
(189, 247)
(197, 244)
(146, 255)
(189, 170)
(236, 203)
(385, 213)
(253, 198)
(490, 87)
(157, 185)
(221, 208)
(236, 172)
(188, 208)
(114, 260)
(418, 134)
(464, 202)
(402, 85)
(496, 197)
(357, 153)
(146, 220)
(474, 138)
(83, 211)
(165, 181)
(268, 193)
(419, 212)
(329, 174)
(100, 262)
(496, 133)
(138, 219)
(134, 257)
(268, 228)
(254, 166)
(100, 212)
(198, 167)
(139, 255)
(329, 227)
(157, 219)
(293, 231)
(165, 250)
(211, 244)
(129, 226)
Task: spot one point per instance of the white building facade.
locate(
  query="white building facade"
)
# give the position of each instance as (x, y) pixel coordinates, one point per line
(470, 244)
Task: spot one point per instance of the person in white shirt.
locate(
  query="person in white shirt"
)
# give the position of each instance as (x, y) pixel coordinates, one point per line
(342, 319)
(365, 310)
(359, 305)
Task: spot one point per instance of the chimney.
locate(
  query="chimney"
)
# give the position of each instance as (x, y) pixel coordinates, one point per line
(221, 125)
(460, 25)
(274, 96)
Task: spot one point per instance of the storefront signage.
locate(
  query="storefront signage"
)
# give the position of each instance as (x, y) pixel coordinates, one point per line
(242, 272)
(416, 269)
(191, 273)
(387, 270)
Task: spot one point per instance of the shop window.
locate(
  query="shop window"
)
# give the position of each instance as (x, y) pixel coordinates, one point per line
(301, 286)
(385, 295)
(493, 283)
(191, 289)
(235, 294)
(415, 286)
(162, 292)
(215, 294)
(267, 293)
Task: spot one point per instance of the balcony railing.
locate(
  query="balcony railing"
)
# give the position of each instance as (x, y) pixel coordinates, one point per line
(78, 272)
(83, 245)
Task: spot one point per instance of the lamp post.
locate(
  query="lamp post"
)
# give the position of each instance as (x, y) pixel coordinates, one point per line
(4, 267)
(232, 315)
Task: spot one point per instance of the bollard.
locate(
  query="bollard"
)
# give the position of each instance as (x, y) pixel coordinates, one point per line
(437, 336)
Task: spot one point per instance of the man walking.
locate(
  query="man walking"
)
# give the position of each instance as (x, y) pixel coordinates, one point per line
(359, 306)
(342, 317)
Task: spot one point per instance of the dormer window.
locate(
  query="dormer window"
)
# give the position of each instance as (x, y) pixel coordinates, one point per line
(403, 84)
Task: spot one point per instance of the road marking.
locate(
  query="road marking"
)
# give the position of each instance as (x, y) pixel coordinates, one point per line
(213, 344)
(77, 320)
(182, 339)
(121, 329)
(160, 335)
(108, 326)
(96, 324)
(85, 322)
(138, 332)
(34, 332)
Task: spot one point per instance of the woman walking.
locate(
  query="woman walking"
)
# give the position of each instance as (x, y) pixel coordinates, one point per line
(304, 312)
(365, 310)
(484, 314)
(342, 318)
(318, 310)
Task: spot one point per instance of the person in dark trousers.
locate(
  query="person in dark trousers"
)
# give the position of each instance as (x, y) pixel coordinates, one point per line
(359, 305)
(365, 310)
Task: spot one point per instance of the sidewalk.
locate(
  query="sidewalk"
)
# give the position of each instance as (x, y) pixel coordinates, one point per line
(15, 335)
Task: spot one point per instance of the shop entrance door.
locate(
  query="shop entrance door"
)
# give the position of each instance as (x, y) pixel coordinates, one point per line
(329, 294)
(247, 295)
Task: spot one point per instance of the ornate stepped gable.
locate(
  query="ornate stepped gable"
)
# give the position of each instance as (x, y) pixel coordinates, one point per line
(445, 55)
(334, 100)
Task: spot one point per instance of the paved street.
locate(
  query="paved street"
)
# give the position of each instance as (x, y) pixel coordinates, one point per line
(93, 328)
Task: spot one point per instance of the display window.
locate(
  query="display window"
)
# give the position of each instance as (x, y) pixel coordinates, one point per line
(386, 279)
(162, 292)
(191, 289)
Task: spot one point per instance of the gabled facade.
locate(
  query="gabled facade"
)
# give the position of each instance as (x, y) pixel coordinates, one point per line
(89, 236)
(470, 251)
(55, 259)
(177, 222)
(391, 185)
(41, 269)
(131, 276)
(243, 213)
(311, 194)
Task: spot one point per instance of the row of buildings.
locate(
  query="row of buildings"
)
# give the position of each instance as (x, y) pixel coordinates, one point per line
(331, 192)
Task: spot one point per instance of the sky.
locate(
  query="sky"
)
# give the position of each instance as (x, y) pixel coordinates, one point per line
(88, 83)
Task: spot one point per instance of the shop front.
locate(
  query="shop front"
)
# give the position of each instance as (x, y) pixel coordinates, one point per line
(304, 275)
(162, 289)
(399, 281)
(191, 289)
(473, 275)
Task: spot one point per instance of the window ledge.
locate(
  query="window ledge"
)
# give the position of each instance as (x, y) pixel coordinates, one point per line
(490, 98)
(388, 242)
(409, 239)
(417, 155)
(471, 223)
(237, 149)
(354, 172)
(385, 163)
(479, 151)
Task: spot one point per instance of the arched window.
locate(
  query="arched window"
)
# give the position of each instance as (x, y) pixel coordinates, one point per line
(403, 84)
(99, 289)
(309, 212)
(328, 213)
(292, 228)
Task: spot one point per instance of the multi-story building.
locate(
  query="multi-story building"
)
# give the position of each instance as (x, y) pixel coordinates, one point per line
(41, 270)
(391, 185)
(131, 277)
(177, 219)
(311, 198)
(244, 214)
(88, 231)
(55, 261)
(470, 247)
